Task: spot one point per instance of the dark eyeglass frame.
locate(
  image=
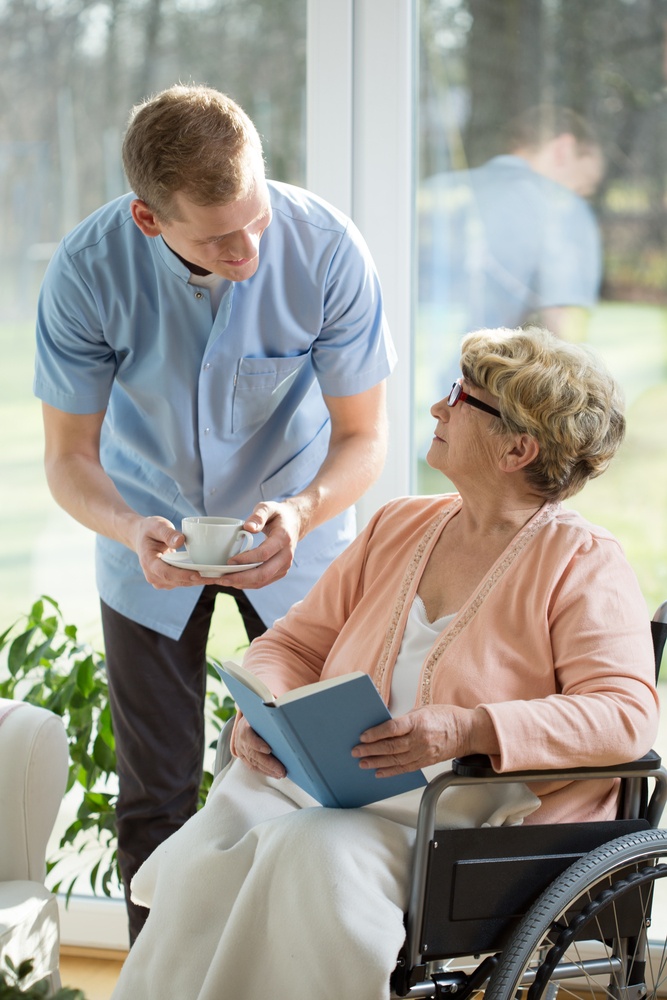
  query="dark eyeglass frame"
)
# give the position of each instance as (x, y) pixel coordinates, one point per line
(458, 395)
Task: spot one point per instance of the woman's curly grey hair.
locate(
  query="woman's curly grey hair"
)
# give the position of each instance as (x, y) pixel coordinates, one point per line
(557, 392)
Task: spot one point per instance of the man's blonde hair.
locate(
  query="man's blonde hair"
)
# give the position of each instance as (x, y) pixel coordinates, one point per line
(557, 392)
(537, 125)
(191, 139)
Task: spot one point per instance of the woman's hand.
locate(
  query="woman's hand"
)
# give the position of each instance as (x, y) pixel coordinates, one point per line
(425, 735)
(256, 752)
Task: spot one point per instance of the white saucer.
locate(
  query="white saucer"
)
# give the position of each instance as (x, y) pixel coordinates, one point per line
(182, 561)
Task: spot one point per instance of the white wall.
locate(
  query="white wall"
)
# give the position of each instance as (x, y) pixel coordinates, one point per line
(361, 154)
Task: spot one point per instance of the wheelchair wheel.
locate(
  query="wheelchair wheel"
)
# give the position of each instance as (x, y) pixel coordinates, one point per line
(599, 930)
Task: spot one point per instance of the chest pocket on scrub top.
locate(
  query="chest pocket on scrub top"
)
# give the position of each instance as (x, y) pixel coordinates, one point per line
(260, 385)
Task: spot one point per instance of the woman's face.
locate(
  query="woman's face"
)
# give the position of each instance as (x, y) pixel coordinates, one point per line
(464, 445)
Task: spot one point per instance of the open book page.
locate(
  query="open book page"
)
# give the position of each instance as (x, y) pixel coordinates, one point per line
(312, 731)
(249, 680)
(260, 688)
(308, 689)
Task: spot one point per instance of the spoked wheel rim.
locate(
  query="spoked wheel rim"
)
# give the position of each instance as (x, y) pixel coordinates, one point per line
(593, 933)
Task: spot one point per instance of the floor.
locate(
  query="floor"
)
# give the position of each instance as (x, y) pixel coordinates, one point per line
(94, 972)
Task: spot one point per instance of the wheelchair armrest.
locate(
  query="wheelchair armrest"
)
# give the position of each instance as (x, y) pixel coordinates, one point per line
(478, 765)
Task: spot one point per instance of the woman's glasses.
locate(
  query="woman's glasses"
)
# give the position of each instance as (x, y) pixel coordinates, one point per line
(457, 395)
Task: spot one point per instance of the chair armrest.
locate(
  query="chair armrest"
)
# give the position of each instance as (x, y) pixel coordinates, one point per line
(33, 778)
(478, 765)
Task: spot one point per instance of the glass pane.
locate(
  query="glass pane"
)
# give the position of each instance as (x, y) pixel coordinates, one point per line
(510, 222)
(489, 256)
(70, 73)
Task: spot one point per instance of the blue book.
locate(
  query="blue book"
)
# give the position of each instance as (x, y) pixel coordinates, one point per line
(312, 730)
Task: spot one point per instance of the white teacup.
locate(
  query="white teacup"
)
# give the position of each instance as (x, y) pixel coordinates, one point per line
(212, 541)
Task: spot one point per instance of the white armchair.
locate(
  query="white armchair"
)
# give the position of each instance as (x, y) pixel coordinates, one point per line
(33, 776)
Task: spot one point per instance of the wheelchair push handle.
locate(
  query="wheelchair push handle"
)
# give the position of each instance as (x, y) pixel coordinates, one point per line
(659, 635)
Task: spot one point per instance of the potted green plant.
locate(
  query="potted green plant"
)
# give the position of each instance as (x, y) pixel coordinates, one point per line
(47, 665)
(12, 985)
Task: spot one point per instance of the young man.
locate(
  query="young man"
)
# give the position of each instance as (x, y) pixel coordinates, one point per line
(512, 240)
(212, 343)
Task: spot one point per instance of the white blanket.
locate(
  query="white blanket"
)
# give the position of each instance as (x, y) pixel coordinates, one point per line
(265, 893)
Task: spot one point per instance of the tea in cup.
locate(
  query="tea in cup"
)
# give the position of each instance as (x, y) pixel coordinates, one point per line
(212, 541)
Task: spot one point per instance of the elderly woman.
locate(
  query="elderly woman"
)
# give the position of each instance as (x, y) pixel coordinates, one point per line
(492, 620)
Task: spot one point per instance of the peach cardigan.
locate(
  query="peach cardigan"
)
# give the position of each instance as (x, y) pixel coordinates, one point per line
(554, 644)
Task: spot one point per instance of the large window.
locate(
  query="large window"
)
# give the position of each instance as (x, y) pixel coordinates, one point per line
(70, 73)
(490, 256)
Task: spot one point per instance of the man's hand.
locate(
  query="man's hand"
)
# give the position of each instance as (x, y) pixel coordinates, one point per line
(255, 752)
(152, 537)
(425, 735)
(282, 523)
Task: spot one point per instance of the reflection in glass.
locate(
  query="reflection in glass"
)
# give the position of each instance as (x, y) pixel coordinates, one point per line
(512, 239)
(528, 211)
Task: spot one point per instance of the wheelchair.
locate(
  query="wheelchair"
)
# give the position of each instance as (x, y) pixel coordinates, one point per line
(530, 911)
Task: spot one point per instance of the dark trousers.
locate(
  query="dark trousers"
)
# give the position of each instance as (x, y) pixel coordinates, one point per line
(156, 691)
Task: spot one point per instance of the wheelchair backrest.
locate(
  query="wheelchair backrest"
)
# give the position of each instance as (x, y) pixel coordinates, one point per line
(491, 878)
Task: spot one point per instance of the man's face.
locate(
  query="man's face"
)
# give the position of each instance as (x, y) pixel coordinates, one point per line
(586, 171)
(223, 239)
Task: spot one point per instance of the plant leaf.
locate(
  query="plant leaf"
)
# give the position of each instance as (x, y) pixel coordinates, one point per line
(103, 755)
(18, 651)
(85, 676)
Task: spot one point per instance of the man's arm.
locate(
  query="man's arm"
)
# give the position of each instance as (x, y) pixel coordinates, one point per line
(355, 457)
(80, 485)
(356, 454)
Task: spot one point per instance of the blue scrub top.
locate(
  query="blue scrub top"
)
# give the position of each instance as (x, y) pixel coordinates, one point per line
(506, 241)
(496, 243)
(203, 415)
